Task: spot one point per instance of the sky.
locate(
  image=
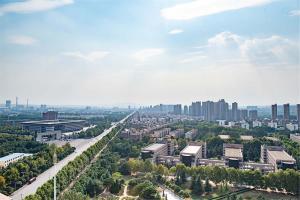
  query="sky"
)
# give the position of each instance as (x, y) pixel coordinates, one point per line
(142, 52)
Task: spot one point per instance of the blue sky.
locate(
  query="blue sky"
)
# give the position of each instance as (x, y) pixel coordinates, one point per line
(104, 52)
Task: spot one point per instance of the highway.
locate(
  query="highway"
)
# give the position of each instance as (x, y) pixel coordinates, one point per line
(49, 174)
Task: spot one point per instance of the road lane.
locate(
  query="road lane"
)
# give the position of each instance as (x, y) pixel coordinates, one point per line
(49, 174)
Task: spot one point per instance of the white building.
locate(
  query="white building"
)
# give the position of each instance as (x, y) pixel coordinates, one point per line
(256, 123)
(190, 155)
(222, 122)
(292, 127)
(245, 125)
(11, 158)
(191, 134)
(272, 124)
(154, 150)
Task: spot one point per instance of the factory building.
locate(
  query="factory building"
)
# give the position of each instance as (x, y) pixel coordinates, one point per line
(277, 156)
(190, 155)
(233, 154)
(11, 158)
(153, 151)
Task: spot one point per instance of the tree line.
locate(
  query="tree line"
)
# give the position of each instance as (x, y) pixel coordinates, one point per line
(19, 173)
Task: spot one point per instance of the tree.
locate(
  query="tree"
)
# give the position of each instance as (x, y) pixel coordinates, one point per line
(148, 166)
(198, 188)
(125, 168)
(150, 193)
(94, 187)
(115, 187)
(2, 182)
(207, 187)
(72, 195)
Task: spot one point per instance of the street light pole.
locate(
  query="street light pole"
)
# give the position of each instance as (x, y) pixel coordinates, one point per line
(54, 182)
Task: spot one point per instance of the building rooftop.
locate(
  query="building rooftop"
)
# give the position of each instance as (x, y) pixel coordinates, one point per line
(281, 155)
(246, 137)
(153, 147)
(191, 149)
(13, 155)
(233, 153)
(51, 122)
(272, 138)
(224, 137)
(4, 197)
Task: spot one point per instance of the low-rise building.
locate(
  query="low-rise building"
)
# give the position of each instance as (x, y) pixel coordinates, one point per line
(247, 137)
(191, 134)
(277, 156)
(190, 155)
(272, 124)
(224, 137)
(132, 134)
(211, 162)
(177, 133)
(233, 154)
(291, 127)
(256, 123)
(153, 151)
(263, 167)
(245, 125)
(11, 158)
(48, 135)
(161, 133)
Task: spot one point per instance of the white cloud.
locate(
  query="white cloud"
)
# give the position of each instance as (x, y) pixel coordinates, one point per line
(294, 13)
(30, 6)
(270, 50)
(175, 31)
(226, 46)
(146, 54)
(21, 40)
(198, 8)
(90, 57)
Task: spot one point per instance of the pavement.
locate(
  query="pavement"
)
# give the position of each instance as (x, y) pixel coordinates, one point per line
(51, 172)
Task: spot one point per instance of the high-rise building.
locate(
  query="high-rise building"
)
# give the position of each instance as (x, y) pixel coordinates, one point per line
(274, 111)
(185, 110)
(243, 114)
(193, 109)
(253, 115)
(286, 112)
(8, 103)
(177, 109)
(198, 108)
(220, 109)
(208, 110)
(234, 108)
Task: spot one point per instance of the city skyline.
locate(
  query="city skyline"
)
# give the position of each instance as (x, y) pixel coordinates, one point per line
(143, 53)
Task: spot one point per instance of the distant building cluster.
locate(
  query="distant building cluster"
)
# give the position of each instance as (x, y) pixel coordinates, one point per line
(231, 115)
(165, 149)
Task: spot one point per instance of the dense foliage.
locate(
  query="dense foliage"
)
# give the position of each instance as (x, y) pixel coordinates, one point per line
(14, 130)
(19, 173)
(11, 143)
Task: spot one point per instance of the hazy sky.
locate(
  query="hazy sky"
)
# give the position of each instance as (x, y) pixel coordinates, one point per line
(116, 52)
